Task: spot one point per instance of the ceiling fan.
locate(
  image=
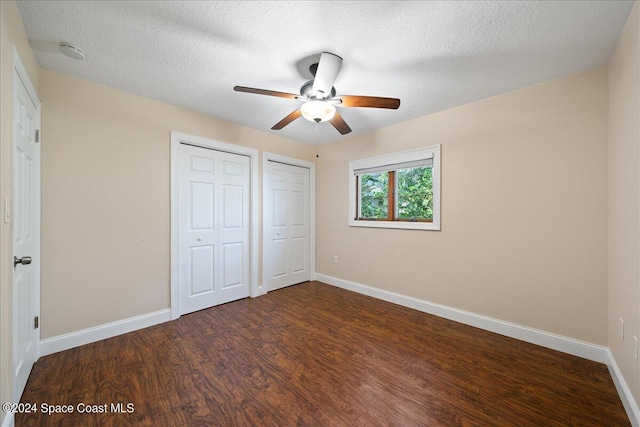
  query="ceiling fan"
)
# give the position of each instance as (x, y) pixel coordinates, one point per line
(319, 96)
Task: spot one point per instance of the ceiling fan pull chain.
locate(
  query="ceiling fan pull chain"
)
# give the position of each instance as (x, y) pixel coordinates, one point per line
(317, 138)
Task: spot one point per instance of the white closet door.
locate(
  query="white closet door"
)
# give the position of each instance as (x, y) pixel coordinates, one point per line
(299, 225)
(287, 221)
(198, 231)
(213, 228)
(233, 235)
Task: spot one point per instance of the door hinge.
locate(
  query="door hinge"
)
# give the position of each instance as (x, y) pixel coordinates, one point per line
(36, 322)
(37, 135)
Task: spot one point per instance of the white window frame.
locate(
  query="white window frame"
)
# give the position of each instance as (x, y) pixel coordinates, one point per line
(430, 152)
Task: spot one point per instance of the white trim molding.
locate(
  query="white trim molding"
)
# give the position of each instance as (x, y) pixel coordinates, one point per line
(178, 138)
(523, 333)
(18, 65)
(629, 403)
(8, 420)
(108, 330)
(267, 157)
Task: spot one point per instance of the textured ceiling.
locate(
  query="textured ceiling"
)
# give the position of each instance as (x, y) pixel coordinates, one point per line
(431, 55)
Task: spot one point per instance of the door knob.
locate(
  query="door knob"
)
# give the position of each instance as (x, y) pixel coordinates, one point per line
(25, 260)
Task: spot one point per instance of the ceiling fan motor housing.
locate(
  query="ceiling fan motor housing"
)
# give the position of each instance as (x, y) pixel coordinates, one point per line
(307, 91)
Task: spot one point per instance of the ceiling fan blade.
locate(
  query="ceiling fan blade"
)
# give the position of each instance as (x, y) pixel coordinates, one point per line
(338, 122)
(369, 101)
(326, 74)
(291, 117)
(265, 92)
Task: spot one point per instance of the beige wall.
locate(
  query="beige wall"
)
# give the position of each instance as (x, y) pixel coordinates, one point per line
(12, 34)
(624, 200)
(105, 198)
(524, 212)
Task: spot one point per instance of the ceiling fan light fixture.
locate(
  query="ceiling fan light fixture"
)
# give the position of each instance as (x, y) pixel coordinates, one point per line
(318, 111)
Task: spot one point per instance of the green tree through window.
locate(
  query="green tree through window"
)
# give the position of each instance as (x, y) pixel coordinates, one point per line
(374, 195)
(415, 193)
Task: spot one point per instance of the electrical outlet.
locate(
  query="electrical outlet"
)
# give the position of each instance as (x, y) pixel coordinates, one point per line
(621, 329)
(335, 259)
(635, 347)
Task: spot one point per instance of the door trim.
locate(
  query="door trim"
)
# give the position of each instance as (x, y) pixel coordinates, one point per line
(266, 158)
(23, 76)
(176, 139)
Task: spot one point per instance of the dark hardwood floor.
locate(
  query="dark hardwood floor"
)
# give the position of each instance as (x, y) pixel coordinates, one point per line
(313, 354)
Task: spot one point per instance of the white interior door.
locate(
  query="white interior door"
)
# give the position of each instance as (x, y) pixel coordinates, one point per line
(214, 232)
(287, 222)
(26, 235)
(233, 236)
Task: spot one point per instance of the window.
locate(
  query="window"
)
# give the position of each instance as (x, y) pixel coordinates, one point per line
(399, 190)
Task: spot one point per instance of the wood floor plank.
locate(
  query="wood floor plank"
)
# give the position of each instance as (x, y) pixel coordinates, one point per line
(316, 355)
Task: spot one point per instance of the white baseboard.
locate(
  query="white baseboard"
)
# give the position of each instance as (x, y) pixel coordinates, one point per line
(97, 333)
(8, 420)
(523, 333)
(630, 404)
